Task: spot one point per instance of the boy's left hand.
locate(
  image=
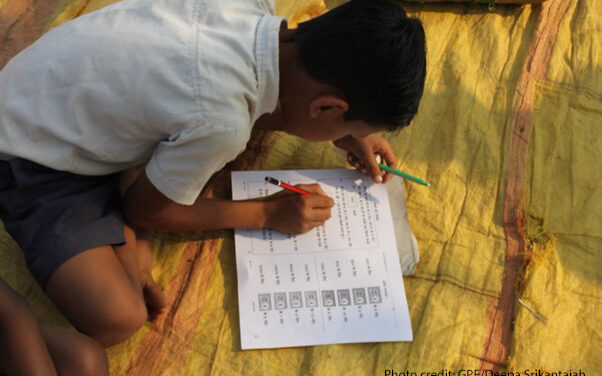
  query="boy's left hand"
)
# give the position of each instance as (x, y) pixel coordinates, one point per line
(361, 155)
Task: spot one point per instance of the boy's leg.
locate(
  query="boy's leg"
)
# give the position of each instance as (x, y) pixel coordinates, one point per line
(102, 291)
(138, 267)
(74, 354)
(98, 296)
(127, 255)
(154, 297)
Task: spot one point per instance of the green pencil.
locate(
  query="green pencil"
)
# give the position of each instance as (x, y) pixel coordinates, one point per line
(403, 175)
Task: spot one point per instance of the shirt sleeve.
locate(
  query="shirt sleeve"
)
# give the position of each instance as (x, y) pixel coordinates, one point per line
(181, 165)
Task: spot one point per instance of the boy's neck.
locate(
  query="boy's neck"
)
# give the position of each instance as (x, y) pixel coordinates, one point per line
(269, 121)
(288, 62)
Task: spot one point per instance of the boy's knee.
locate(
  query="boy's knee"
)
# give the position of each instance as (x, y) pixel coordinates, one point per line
(118, 322)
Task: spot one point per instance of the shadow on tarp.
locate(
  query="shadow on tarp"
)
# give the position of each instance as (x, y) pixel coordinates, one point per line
(467, 7)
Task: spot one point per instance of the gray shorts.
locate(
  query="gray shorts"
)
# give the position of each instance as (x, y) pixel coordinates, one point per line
(54, 215)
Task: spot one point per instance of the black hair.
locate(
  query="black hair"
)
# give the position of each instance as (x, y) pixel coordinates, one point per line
(373, 53)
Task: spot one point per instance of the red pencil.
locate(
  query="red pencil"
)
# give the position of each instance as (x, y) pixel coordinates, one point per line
(285, 186)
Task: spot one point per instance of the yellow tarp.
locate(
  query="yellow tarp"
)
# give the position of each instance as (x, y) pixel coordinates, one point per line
(509, 134)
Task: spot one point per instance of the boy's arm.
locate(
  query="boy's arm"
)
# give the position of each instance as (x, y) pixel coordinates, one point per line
(145, 206)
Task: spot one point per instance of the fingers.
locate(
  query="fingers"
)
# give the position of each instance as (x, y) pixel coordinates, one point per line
(387, 177)
(321, 202)
(373, 169)
(389, 156)
(315, 208)
(386, 152)
(318, 201)
(306, 227)
(319, 198)
(312, 188)
(355, 162)
(318, 215)
(315, 211)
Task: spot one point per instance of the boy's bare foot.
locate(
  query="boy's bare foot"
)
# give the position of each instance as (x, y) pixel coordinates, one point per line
(156, 301)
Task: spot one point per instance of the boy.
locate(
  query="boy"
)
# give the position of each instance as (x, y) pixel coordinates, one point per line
(177, 85)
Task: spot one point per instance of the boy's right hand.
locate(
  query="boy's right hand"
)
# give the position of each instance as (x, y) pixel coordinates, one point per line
(294, 213)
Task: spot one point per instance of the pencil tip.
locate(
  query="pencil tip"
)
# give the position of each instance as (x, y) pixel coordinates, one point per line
(271, 180)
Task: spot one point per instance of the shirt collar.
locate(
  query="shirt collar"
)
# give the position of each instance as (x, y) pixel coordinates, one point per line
(266, 52)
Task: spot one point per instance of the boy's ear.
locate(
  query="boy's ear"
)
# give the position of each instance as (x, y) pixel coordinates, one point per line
(327, 103)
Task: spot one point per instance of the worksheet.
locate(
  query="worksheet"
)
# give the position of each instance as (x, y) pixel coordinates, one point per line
(338, 283)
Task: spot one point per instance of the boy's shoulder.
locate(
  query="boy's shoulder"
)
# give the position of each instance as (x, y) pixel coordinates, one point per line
(147, 69)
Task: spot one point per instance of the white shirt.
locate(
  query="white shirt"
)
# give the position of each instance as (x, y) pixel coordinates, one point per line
(179, 82)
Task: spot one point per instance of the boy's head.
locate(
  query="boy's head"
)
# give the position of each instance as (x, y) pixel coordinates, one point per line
(364, 66)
